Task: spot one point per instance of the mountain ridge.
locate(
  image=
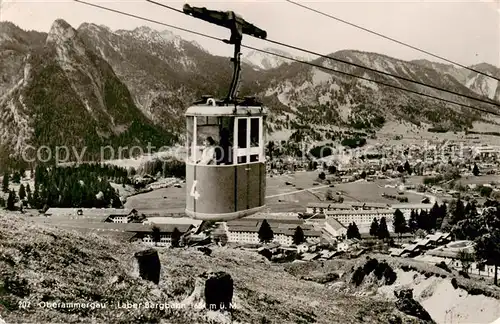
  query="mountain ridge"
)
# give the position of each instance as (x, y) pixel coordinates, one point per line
(63, 81)
(132, 87)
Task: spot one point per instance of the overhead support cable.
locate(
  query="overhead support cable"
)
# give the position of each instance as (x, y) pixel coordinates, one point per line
(354, 64)
(299, 61)
(392, 39)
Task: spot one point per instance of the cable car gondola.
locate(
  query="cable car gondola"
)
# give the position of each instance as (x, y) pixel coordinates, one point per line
(225, 165)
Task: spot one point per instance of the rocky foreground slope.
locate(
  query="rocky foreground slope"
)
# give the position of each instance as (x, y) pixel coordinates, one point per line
(421, 289)
(41, 264)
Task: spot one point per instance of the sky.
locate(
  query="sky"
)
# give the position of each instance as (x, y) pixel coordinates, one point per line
(467, 32)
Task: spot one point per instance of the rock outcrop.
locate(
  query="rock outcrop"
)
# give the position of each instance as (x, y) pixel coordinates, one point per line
(149, 265)
(219, 291)
(410, 306)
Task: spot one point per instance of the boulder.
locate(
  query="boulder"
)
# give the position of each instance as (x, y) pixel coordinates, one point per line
(205, 250)
(266, 253)
(410, 306)
(218, 291)
(149, 265)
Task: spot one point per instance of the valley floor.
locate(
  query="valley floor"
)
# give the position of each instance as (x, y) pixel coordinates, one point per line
(280, 196)
(412, 134)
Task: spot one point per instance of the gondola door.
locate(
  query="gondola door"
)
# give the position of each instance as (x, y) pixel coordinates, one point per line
(250, 170)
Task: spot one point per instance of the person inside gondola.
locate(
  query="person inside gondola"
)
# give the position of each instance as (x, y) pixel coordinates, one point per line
(224, 150)
(208, 156)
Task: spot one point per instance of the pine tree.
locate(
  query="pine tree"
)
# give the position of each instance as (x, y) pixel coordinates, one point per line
(355, 231)
(374, 227)
(434, 214)
(407, 167)
(475, 170)
(30, 199)
(470, 210)
(176, 237)
(22, 192)
(28, 189)
(11, 200)
(349, 231)
(466, 259)
(16, 178)
(488, 249)
(298, 236)
(266, 234)
(457, 212)
(383, 232)
(399, 223)
(443, 212)
(156, 235)
(5, 182)
(36, 199)
(413, 222)
(423, 220)
(484, 229)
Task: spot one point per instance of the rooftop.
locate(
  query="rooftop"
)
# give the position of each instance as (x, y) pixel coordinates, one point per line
(277, 226)
(347, 205)
(275, 216)
(331, 205)
(87, 211)
(164, 228)
(412, 247)
(437, 236)
(172, 220)
(423, 242)
(362, 212)
(411, 206)
(335, 224)
(452, 249)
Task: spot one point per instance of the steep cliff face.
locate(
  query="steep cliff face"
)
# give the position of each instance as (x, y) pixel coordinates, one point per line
(163, 72)
(16, 46)
(63, 94)
(479, 84)
(483, 85)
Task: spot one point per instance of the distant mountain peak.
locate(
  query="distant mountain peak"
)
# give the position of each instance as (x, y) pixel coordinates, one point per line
(264, 61)
(7, 30)
(6, 25)
(426, 61)
(91, 26)
(60, 31)
(486, 68)
(151, 35)
(62, 24)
